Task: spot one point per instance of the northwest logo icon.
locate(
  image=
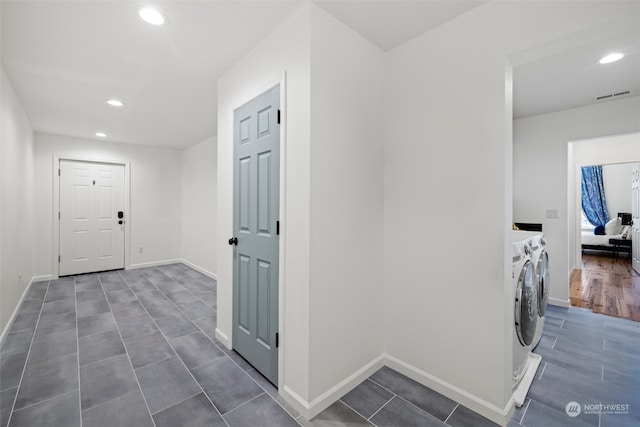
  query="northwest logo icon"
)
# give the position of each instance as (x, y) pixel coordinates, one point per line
(573, 409)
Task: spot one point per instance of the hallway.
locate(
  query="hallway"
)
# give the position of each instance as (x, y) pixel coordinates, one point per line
(137, 348)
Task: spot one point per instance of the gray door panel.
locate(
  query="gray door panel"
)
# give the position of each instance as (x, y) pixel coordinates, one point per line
(256, 208)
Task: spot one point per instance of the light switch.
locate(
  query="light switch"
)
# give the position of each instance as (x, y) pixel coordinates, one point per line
(552, 213)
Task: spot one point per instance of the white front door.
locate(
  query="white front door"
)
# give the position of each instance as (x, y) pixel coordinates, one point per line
(635, 215)
(91, 217)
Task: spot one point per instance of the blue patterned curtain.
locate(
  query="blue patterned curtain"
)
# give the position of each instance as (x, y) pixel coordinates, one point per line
(594, 203)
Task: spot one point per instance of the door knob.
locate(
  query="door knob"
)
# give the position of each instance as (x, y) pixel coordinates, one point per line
(233, 241)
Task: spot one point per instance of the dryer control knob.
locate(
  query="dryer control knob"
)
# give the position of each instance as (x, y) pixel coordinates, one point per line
(543, 241)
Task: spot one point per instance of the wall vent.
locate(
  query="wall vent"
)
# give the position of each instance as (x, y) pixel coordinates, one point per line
(616, 95)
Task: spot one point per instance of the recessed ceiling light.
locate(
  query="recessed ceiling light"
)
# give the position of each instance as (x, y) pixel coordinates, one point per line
(101, 134)
(152, 16)
(612, 57)
(115, 103)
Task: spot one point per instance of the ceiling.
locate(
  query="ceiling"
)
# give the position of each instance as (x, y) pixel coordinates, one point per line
(66, 58)
(570, 76)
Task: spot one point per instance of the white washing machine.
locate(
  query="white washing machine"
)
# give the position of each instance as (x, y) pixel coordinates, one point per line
(525, 309)
(525, 299)
(540, 260)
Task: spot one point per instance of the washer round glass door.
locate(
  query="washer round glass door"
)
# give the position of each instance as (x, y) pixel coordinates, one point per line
(526, 307)
(542, 273)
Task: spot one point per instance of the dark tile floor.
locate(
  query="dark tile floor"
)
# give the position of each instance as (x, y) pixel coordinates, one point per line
(137, 348)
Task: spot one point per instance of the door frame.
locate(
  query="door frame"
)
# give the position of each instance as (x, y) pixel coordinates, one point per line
(282, 327)
(55, 248)
(580, 153)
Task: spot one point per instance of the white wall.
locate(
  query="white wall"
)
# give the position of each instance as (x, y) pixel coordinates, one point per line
(617, 187)
(448, 205)
(347, 199)
(285, 50)
(154, 219)
(199, 206)
(541, 144)
(16, 201)
(331, 243)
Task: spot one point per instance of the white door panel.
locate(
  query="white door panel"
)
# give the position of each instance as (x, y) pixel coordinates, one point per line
(91, 239)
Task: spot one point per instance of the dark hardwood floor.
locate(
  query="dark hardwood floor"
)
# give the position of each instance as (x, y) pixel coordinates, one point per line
(606, 285)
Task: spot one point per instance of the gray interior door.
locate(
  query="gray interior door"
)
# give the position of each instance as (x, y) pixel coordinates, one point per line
(255, 211)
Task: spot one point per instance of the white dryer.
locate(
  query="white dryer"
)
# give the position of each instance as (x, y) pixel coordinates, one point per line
(525, 315)
(540, 259)
(525, 300)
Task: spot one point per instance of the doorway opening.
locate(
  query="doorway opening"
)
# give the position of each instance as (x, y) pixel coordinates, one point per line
(601, 275)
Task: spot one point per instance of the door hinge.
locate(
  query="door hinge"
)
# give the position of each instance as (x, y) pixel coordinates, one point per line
(277, 228)
(58, 172)
(58, 259)
(277, 340)
(58, 215)
(278, 116)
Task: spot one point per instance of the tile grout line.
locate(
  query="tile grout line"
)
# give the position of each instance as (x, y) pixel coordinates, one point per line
(125, 347)
(416, 406)
(188, 290)
(454, 410)
(244, 403)
(524, 412)
(177, 403)
(172, 348)
(382, 407)
(101, 360)
(542, 372)
(353, 409)
(45, 400)
(381, 386)
(24, 367)
(393, 394)
(75, 297)
(258, 384)
(214, 343)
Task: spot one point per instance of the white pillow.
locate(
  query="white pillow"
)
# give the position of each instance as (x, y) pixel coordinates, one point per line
(614, 226)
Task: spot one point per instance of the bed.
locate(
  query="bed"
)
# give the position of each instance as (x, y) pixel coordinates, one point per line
(621, 230)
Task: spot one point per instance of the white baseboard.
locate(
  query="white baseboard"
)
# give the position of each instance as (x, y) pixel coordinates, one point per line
(223, 338)
(43, 278)
(154, 264)
(311, 409)
(488, 410)
(12, 319)
(199, 269)
(560, 302)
